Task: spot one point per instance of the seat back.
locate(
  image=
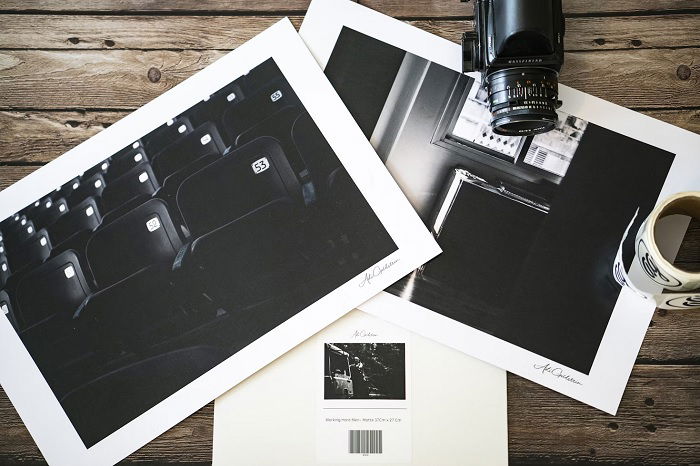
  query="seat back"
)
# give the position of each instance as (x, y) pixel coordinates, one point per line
(89, 187)
(247, 178)
(84, 216)
(32, 252)
(125, 162)
(146, 235)
(138, 181)
(56, 286)
(269, 99)
(166, 133)
(253, 258)
(23, 231)
(98, 169)
(6, 308)
(202, 141)
(96, 412)
(5, 271)
(51, 211)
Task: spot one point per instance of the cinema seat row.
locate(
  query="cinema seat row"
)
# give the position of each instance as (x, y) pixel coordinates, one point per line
(147, 252)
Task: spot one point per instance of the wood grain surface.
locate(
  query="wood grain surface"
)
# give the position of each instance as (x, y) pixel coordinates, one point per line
(70, 68)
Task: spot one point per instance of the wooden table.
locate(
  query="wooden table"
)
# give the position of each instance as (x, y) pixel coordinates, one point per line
(69, 68)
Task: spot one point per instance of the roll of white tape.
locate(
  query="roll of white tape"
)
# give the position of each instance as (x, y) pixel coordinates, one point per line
(668, 286)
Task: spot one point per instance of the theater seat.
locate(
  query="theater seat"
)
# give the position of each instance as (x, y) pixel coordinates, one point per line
(84, 216)
(36, 207)
(213, 107)
(168, 191)
(166, 133)
(268, 100)
(251, 259)
(99, 169)
(202, 141)
(19, 233)
(122, 163)
(243, 180)
(5, 271)
(6, 308)
(146, 235)
(57, 286)
(132, 314)
(51, 211)
(89, 187)
(314, 150)
(107, 403)
(279, 126)
(32, 252)
(66, 190)
(138, 181)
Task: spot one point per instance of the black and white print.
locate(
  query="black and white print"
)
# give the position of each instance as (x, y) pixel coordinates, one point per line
(364, 371)
(527, 224)
(161, 261)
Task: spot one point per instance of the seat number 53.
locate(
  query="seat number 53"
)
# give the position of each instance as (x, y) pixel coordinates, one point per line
(260, 165)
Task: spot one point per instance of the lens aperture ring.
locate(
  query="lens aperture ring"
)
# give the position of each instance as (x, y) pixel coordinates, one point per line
(523, 101)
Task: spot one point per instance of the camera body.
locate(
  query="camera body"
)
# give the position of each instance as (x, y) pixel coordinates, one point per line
(518, 46)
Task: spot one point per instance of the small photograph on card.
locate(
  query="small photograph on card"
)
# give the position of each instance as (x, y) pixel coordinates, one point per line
(364, 371)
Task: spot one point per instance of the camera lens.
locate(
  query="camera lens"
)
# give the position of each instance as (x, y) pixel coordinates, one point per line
(523, 101)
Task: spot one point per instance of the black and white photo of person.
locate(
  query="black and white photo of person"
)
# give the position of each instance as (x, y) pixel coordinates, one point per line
(365, 371)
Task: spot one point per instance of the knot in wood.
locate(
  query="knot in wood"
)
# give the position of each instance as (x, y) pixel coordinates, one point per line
(154, 74)
(683, 72)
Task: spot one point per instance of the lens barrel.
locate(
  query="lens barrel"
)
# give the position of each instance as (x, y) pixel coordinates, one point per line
(523, 101)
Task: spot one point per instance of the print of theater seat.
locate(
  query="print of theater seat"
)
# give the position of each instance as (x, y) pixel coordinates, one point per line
(349, 227)
(18, 234)
(166, 133)
(99, 407)
(32, 252)
(99, 169)
(45, 301)
(82, 217)
(213, 107)
(51, 211)
(240, 182)
(5, 271)
(203, 140)
(137, 182)
(132, 314)
(267, 101)
(122, 163)
(317, 154)
(6, 308)
(144, 236)
(89, 187)
(251, 259)
(37, 206)
(67, 188)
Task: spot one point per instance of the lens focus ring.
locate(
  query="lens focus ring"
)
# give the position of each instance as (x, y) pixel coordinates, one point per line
(523, 101)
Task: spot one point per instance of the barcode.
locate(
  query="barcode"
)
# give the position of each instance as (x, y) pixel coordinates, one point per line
(365, 441)
(536, 156)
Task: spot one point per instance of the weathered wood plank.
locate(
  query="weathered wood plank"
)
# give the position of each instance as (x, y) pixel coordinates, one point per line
(651, 78)
(40, 136)
(415, 8)
(182, 6)
(228, 32)
(657, 424)
(12, 174)
(445, 8)
(131, 32)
